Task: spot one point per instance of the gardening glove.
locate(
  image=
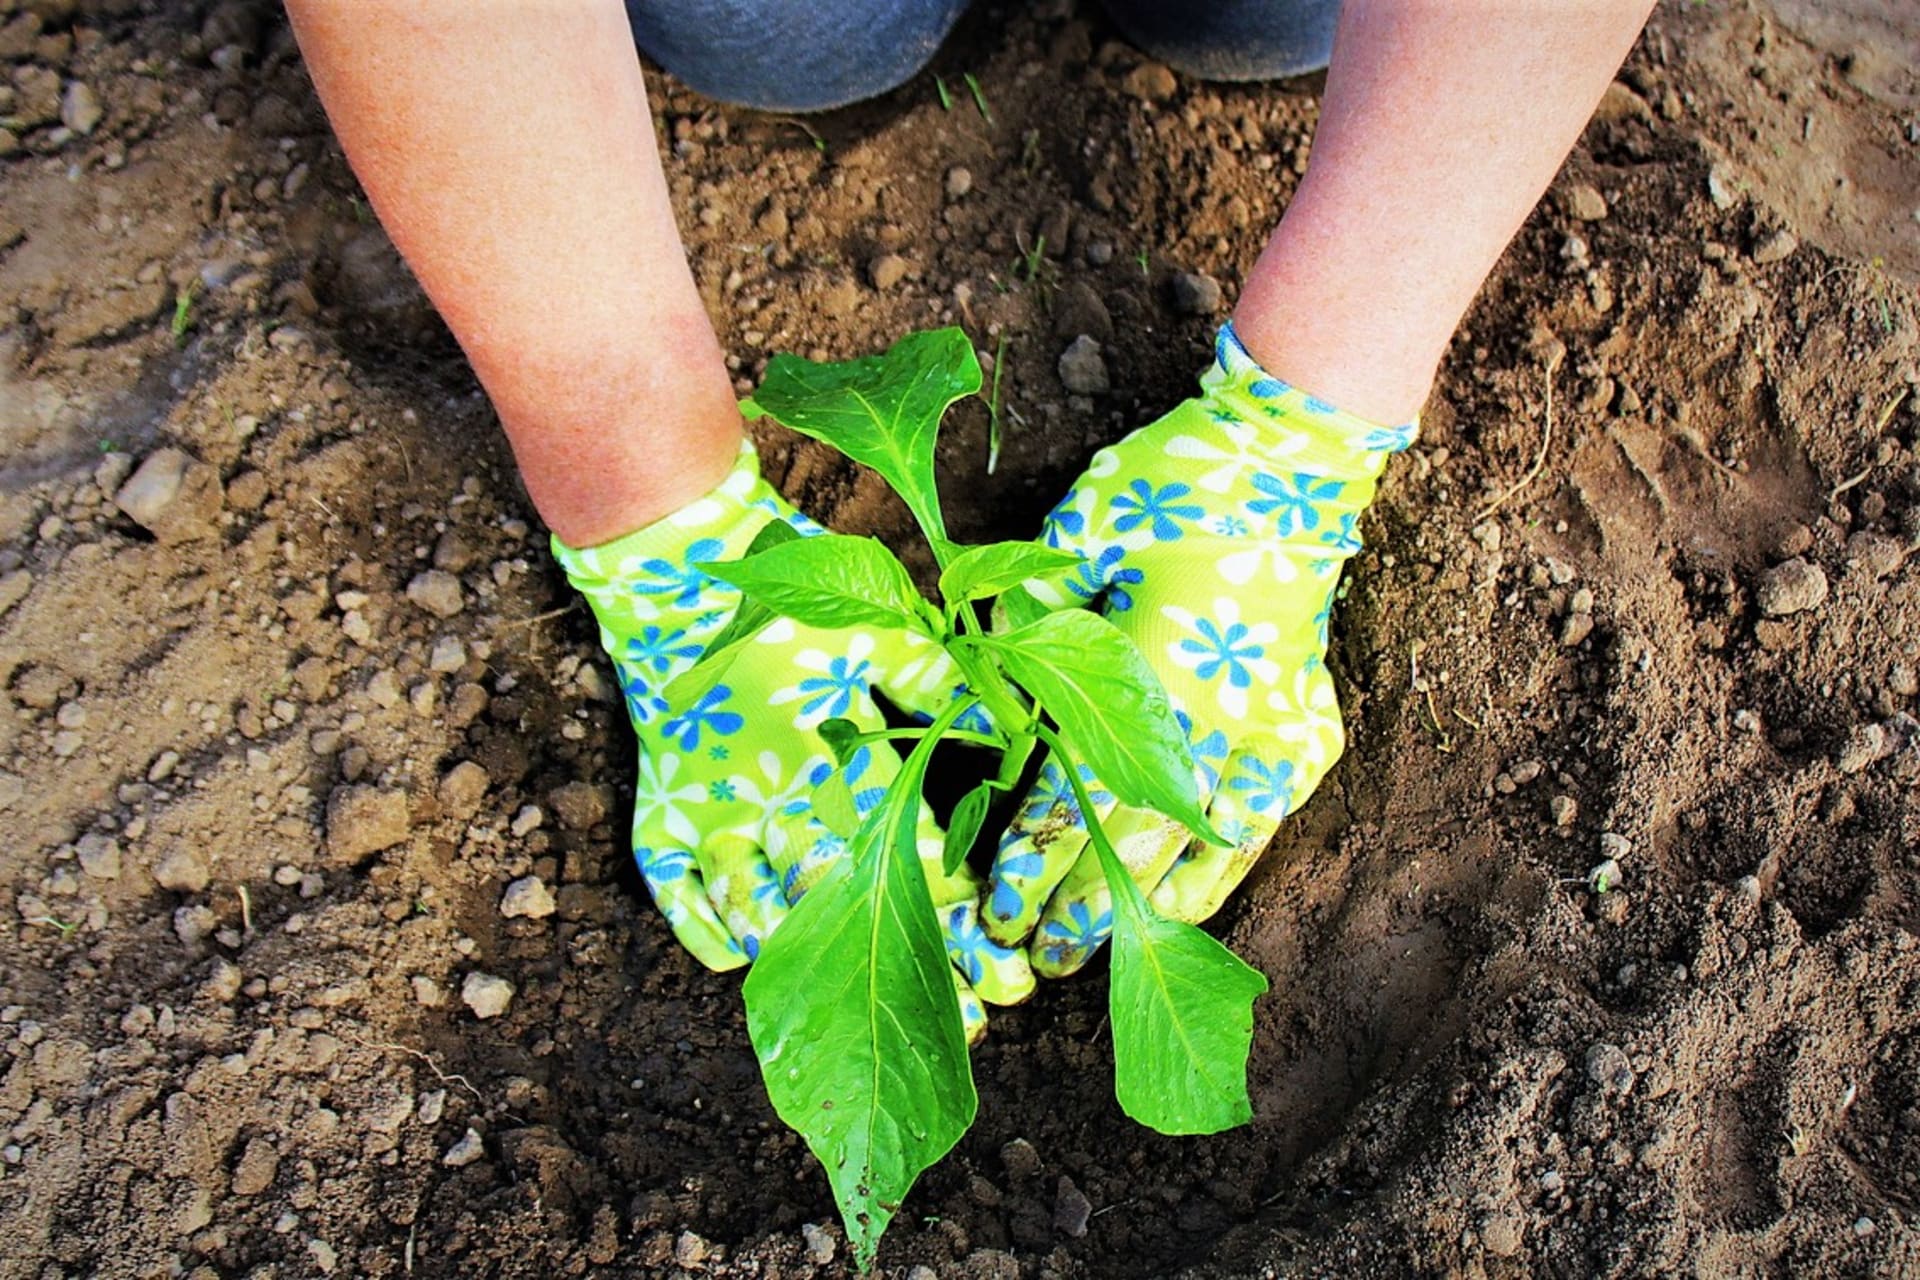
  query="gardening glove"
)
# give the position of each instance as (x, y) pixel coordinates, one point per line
(1214, 539)
(724, 826)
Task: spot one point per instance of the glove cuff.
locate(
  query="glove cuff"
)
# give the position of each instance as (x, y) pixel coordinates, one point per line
(728, 516)
(1318, 432)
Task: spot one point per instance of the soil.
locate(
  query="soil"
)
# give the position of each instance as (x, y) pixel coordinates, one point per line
(263, 800)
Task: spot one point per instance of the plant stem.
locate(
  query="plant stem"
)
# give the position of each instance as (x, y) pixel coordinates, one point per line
(1110, 861)
(952, 735)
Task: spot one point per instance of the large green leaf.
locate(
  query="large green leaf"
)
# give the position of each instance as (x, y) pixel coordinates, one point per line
(693, 684)
(831, 581)
(1111, 708)
(852, 1010)
(977, 572)
(1182, 1011)
(1181, 1007)
(882, 410)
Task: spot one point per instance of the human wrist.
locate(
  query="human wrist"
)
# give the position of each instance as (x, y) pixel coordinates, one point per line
(1313, 314)
(728, 513)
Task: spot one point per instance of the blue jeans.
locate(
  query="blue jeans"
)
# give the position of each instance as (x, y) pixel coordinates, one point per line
(801, 55)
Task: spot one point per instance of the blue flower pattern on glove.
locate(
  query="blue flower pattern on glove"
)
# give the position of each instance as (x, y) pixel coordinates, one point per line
(1223, 651)
(1160, 508)
(1263, 786)
(1107, 573)
(1080, 931)
(660, 648)
(845, 680)
(1296, 501)
(683, 581)
(703, 715)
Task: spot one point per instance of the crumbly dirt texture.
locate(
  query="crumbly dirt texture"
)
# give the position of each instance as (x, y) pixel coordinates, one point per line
(279, 757)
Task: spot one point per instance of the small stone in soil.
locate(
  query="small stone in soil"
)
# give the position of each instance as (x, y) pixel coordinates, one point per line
(690, 1250)
(1790, 587)
(488, 996)
(886, 271)
(959, 182)
(438, 592)
(1608, 1067)
(1149, 82)
(1865, 744)
(464, 1152)
(173, 495)
(1564, 809)
(820, 1245)
(1193, 294)
(462, 788)
(527, 898)
(1585, 202)
(99, 856)
(1071, 1209)
(448, 655)
(1775, 246)
(1083, 370)
(80, 108)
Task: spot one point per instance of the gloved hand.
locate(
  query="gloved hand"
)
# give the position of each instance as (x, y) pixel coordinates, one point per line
(1214, 538)
(724, 828)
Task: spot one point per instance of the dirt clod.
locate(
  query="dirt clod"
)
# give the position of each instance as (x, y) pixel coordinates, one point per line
(1790, 587)
(363, 820)
(173, 495)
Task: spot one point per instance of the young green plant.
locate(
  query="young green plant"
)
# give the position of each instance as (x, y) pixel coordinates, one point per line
(851, 1005)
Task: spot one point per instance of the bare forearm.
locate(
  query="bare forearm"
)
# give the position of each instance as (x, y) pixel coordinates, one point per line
(1443, 123)
(508, 150)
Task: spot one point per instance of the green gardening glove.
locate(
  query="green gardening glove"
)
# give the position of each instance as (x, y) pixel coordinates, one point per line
(724, 827)
(1214, 538)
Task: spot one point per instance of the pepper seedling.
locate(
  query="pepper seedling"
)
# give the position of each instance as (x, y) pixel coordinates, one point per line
(851, 1007)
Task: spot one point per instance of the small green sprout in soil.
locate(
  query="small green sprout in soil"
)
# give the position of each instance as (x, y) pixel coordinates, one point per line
(979, 97)
(851, 1005)
(183, 312)
(946, 99)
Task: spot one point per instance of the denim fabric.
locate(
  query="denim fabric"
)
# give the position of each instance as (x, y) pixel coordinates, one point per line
(790, 55)
(1231, 39)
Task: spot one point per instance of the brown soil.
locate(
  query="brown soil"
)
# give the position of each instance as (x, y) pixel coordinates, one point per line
(246, 1052)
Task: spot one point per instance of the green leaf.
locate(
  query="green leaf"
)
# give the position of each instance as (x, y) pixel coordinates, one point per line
(696, 681)
(830, 581)
(852, 1011)
(1182, 1012)
(1111, 708)
(977, 572)
(833, 804)
(1018, 607)
(883, 411)
(1181, 1006)
(963, 827)
(842, 737)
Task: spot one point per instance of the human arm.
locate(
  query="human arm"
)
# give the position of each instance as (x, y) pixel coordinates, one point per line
(507, 147)
(1215, 536)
